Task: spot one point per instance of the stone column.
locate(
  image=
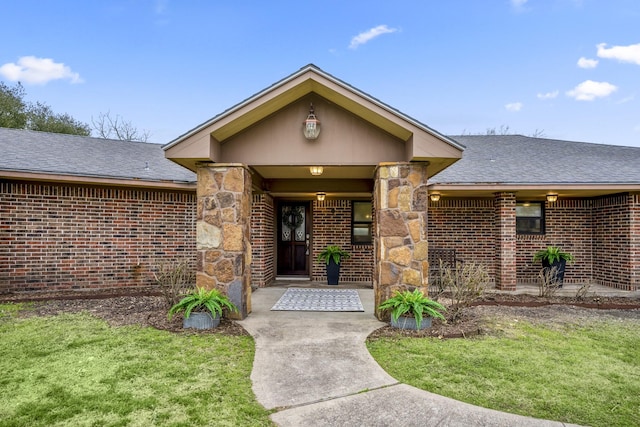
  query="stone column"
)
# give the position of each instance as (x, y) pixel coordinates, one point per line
(223, 232)
(505, 220)
(400, 229)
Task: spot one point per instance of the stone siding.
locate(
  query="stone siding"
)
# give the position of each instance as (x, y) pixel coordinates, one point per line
(400, 229)
(223, 234)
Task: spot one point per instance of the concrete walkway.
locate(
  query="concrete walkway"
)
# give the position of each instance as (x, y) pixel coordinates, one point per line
(313, 368)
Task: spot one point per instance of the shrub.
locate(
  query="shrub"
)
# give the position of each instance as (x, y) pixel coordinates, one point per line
(174, 279)
(548, 282)
(465, 284)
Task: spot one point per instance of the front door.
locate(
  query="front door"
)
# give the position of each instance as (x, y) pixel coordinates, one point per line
(293, 239)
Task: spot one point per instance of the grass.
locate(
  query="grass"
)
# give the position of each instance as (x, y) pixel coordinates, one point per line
(588, 375)
(76, 370)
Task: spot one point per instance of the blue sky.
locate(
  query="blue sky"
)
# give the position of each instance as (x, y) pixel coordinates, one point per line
(567, 68)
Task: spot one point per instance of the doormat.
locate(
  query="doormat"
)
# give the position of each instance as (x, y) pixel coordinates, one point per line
(298, 299)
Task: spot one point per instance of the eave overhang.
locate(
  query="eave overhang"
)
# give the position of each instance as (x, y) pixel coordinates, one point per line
(534, 191)
(96, 180)
(422, 143)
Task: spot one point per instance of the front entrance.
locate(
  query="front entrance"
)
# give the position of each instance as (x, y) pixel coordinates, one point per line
(293, 239)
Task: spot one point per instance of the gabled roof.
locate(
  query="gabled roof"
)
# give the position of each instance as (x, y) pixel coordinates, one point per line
(204, 141)
(516, 162)
(26, 153)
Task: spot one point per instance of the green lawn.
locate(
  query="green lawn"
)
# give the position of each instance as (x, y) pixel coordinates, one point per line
(588, 375)
(76, 370)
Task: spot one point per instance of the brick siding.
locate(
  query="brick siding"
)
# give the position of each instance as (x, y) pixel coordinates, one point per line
(332, 226)
(263, 223)
(61, 237)
(603, 234)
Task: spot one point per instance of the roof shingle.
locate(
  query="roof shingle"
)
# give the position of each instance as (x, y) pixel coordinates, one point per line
(43, 152)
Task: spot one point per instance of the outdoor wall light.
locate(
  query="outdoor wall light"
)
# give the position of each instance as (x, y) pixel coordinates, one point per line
(552, 198)
(434, 197)
(316, 170)
(311, 125)
(321, 196)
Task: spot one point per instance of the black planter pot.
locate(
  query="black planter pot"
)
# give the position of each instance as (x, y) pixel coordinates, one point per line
(333, 272)
(560, 266)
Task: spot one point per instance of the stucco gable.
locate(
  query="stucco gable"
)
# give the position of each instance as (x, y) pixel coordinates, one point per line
(421, 143)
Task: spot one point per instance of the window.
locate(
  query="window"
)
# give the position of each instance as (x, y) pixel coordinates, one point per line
(361, 222)
(529, 218)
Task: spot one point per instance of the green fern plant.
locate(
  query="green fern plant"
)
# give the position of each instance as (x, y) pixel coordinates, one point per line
(413, 304)
(333, 252)
(552, 254)
(201, 299)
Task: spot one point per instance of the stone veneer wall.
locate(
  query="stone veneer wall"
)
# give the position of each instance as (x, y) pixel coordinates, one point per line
(223, 232)
(332, 226)
(400, 205)
(61, 237)
(263, 224)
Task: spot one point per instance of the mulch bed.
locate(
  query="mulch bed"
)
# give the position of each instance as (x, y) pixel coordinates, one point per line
(150, 310)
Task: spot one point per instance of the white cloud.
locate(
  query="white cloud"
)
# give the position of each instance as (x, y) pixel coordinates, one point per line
(514, 106)
(590, 90)
(30, 69)
(548, 95)
(629, 53)
(626, 99)
(519, 5)
(368, 35)
(587, 63)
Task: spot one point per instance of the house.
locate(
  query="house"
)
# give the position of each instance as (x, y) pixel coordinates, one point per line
(254, 194)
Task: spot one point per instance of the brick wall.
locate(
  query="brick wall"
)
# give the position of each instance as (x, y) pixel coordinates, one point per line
(332, 226)
(634, 249)
(61, 237)
(612, 256)
(466, 226)
(568, 225)
(262, 240)
(603, 234)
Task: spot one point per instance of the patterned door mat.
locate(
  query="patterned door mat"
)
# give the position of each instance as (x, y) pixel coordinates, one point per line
(298, 299)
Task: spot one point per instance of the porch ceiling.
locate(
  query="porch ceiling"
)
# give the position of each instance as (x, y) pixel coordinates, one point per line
(297, 181)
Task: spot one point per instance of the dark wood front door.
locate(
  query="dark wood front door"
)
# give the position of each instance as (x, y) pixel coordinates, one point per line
(293, 239)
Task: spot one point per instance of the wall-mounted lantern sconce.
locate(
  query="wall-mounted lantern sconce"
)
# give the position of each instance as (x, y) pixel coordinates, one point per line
(435, 197)
(316, 170)
(321, 196)
(311, 125)
(552, 198)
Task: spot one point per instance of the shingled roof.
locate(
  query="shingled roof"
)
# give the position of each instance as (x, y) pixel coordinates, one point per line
(61, 154)
(517, 159)
(488, 159)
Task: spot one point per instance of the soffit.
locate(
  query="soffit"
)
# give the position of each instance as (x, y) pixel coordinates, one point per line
(531, 191)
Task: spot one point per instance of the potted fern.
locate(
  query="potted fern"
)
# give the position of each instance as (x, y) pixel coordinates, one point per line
(202, 308)
(332, 256)
(412, 310)
(554, 257)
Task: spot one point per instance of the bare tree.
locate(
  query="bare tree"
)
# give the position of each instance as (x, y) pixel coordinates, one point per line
(116, 127)
(539, 133)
